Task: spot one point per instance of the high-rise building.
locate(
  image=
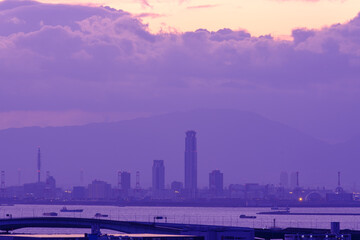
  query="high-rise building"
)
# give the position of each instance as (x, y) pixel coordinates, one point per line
(190, 164)
(99, 190)
(216, 182)
(158, 175)
(125, 181)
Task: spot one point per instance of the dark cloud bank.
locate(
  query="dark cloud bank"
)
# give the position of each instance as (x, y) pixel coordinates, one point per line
(61, 57)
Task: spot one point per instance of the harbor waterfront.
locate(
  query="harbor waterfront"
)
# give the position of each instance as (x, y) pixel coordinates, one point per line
(192, 215)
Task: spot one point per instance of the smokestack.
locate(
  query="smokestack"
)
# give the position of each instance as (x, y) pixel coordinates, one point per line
(339, 179)
(38, 164)
(335, 228)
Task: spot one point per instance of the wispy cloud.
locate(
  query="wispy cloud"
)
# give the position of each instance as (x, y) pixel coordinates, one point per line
(149, 15)
(203, 6)
(310, 0)
(145, 3)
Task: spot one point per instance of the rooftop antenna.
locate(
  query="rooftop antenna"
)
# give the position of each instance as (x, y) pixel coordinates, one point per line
(339, 189)
(38, 163)
(137, 180)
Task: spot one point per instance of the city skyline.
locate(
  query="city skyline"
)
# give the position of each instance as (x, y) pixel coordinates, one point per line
(258, 101)
(180, 119)
(215, 183)
(67, 153)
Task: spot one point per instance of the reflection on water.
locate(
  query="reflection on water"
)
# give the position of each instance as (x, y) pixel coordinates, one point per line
(195, 215)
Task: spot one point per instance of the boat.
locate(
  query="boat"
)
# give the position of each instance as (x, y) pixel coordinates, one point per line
(50, 214)
(245, 216)
(281, 208)
(285, 212)
(64, 209)
(101, 215)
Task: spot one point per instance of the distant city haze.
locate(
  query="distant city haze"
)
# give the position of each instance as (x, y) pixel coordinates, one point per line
(246, 147)
(259, 105)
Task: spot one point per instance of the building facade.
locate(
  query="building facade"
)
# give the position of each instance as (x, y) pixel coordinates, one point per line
(216, 182)
(158, 175)
(125, 181)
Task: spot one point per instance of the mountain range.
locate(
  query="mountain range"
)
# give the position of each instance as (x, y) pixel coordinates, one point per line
(245, 146)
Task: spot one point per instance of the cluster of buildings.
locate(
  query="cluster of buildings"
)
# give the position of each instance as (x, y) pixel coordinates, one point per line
(288, 191)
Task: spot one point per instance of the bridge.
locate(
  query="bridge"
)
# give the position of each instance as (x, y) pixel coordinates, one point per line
(208, 232)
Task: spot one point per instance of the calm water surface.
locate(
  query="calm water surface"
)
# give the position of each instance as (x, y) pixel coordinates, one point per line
(196, 215)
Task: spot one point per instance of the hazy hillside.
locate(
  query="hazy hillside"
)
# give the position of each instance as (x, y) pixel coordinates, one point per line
(245, 146)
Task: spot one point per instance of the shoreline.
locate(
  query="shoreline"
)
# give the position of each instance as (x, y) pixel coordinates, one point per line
(195, 203)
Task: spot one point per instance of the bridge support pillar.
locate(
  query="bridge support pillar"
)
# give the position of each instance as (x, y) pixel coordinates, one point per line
(95, 229)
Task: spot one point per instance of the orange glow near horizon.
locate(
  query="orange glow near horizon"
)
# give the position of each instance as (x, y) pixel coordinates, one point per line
(259, 17)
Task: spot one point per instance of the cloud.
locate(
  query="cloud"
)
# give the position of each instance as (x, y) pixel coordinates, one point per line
(149, 15)
(145, 4)
(95, 59)
(203, 6)
(310, 0)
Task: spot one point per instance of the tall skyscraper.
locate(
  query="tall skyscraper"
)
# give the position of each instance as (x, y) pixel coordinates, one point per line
(190, 164)
(216, 182)
(125, 181)
(158, 175)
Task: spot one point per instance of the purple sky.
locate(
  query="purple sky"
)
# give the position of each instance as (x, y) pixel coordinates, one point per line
(64, 65)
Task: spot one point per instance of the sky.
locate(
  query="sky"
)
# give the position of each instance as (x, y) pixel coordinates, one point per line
(259, 17)
(296, 62)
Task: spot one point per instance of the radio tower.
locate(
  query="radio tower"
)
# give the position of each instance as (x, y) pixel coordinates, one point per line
(339, 189)
(38, 164)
